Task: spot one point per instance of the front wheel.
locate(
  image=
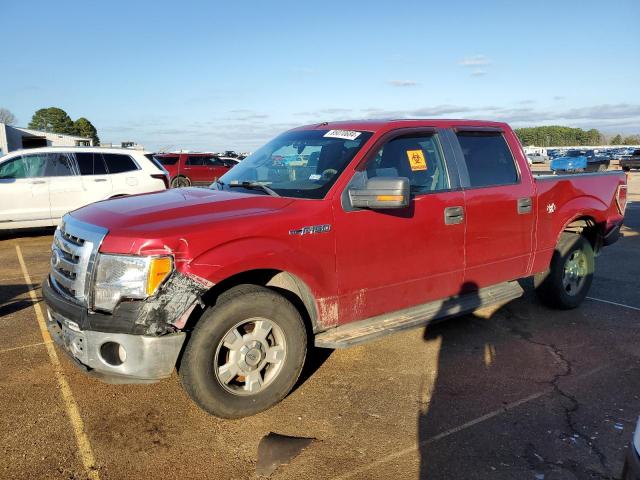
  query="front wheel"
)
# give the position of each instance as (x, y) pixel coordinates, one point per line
(567, 281)
(245, 353)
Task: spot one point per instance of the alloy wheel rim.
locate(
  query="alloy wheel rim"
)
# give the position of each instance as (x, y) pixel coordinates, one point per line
(250, 356)
(575, 272)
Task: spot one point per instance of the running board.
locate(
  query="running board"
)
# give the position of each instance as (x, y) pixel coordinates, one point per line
(376, 327)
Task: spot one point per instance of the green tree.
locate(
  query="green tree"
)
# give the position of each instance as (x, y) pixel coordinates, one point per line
(52, 119)
(631, 140)
(7, 117)
(558, 136)
(617, 140)
(84, 128)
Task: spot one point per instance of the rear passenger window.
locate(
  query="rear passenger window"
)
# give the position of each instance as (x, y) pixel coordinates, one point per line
(167, 160)
(90, 163)
(488, 159)
(118, 163)
(197, 161)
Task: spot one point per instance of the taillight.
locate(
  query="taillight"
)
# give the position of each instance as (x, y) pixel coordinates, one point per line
(162, 176)
(621, 198)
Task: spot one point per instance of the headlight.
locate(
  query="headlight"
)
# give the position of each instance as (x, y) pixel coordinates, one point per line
(120, 276)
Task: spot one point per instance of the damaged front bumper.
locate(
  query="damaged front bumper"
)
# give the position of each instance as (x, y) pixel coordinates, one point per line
(138, 343)
(116, 357)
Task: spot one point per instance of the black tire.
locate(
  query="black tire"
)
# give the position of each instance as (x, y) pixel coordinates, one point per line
(180, 182)
(199, 374)
(557, 287)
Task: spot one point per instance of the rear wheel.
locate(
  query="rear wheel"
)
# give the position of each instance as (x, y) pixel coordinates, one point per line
(245, 354)
(180, 182)
(567, 281)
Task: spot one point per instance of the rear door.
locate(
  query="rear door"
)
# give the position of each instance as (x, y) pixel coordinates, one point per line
(66, 191)
(24, 190)
(499, 207)
(198, 169)
(124, 173)
(95, 179)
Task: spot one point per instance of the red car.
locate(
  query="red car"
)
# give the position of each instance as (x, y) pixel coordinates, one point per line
(365, 229)
(197, 169)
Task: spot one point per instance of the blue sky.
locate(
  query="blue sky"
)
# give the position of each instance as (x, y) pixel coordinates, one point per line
(217, 75)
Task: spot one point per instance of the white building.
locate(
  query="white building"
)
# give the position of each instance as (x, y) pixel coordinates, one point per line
(16, 138)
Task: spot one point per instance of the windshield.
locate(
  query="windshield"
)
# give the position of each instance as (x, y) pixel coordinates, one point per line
(301, 164)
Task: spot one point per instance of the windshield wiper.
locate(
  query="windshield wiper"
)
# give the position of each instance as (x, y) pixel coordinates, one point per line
(253, 186)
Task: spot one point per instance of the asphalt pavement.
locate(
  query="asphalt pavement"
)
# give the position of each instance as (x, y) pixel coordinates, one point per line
(518, 392)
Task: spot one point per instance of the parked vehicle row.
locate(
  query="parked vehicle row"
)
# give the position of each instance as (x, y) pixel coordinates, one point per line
(580, 161)
(330, 235)
(194, 169)
(38, 186)
(631, 161)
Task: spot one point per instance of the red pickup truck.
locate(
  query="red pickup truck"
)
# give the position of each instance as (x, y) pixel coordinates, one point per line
(330, 235)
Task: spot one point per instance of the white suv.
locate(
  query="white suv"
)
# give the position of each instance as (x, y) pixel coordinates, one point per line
(38, 186)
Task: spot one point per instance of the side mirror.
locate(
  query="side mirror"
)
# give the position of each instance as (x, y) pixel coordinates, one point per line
(381, 193)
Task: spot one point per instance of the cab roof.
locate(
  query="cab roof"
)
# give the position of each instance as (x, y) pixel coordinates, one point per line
(392, 124)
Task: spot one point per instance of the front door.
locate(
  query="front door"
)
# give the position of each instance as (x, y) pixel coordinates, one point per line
(392, 259)
(66, 191)
(24, 191)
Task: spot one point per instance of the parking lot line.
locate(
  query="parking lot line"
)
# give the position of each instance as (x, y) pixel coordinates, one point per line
(73, 412)
(22, 346)
(613, 303)
(459, 428)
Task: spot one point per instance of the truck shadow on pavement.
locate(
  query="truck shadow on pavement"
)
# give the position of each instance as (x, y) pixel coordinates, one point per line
(9, 303)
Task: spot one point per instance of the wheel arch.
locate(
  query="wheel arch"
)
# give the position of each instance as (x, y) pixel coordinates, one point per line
(287, 284)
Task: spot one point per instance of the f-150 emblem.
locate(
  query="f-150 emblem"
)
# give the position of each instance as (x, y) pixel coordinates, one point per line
(551, 207)
(310, 230)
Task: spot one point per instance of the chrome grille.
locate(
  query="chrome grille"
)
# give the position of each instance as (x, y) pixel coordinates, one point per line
(73, 255)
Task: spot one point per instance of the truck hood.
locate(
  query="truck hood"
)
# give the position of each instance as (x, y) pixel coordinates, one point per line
(175, 212)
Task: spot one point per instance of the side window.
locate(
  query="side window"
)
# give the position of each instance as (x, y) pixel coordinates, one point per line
(119, 163)
(216, 162)
(57, 164)
(419, 158)
(488, 159)
(90, 163)
(167, 160)
(13, 168)
(195, 161)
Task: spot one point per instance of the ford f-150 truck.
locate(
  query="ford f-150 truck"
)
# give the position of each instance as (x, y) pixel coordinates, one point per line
(377, 227)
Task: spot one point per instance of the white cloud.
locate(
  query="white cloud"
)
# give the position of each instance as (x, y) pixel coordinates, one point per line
(402, 83)
(475, 61)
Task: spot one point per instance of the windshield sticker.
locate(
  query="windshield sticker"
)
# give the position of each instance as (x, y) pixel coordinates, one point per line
(344, 134)
(417, 160)
(315, 176)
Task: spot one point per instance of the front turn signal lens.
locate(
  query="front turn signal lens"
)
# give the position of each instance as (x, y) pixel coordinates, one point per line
(159, 270)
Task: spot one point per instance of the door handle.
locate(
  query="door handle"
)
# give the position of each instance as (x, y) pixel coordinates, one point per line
(525, 205)
(453, 215)
(38, 182)
(100, 180)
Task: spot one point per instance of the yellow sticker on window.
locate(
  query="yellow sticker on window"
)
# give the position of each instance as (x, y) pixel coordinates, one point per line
(417, 160)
